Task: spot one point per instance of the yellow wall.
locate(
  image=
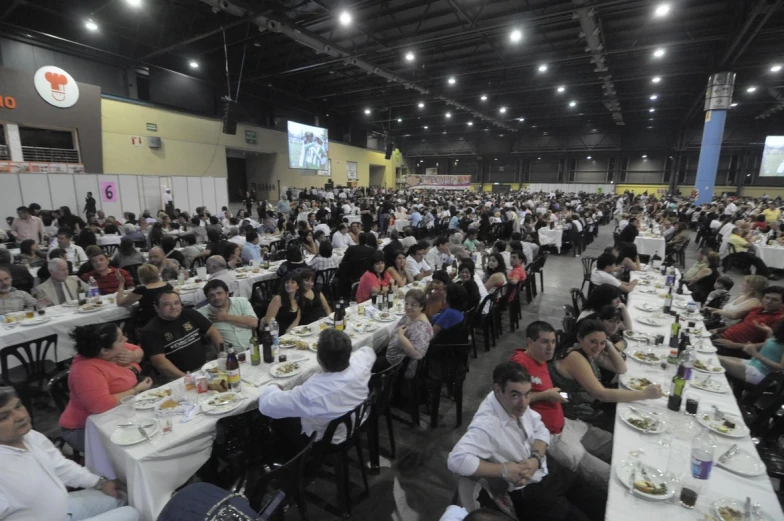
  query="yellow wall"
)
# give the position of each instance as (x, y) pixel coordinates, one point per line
(195, 146)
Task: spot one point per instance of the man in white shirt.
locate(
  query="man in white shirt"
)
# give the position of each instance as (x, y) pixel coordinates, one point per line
(507, 441)
(341, 238)
(347, 208)
(439, 254)
(217, 269)
(415, 262)
(73, 252)
(731, 208)
(339, 388)
(35, 474)
(602, 274)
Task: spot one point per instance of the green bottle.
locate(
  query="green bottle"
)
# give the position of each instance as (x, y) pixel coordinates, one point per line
(676, 391)
(255, 353)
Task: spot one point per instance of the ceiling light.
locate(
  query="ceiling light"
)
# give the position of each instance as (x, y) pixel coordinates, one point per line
(650, 128)
(470, 123)
(502, 110)
(543, 68)
(651, 109)
(194, 64)
(516, 35)
(751, 89)
(656, 79)
(91, 25)
(345, 18)
(654, 96)
(572, 103)
(421, 105)
(399, 120)
(589, 157)
(775, 68)
(483, 97)
(561, 88)
(658, 53)
(425, 127)
(367, 111)
(451, 80)
(538, 158)
(733, 104)
(662, 10)
(444, 131)
(448, 114)
(134, 3)
(645, 156)
(496, 159)
(410, 56)
(521, 119)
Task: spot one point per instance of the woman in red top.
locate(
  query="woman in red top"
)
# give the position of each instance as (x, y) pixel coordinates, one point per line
(101, 374)
(375, 281)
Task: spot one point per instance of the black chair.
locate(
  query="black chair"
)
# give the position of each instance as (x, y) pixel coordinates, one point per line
(325, 449)
(275, 246)
(760, 403)
(29, 378)
(262, 293)
(323, 280)
(199, 262)
(501, 305)
(485, 320)
(110, 249)
(381, 384)
(588, 263)
(59, 390)
(133, 271)
(469, 317)
(446, 364)
(539, 270)
(578, 300)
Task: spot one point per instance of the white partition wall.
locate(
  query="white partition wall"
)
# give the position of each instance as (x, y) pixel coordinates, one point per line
(150, 192)
(195, 197)
(63, 192)
(129, 194)
(179, 190)
(208, 195)
(83, 184)
(10, 195)
(221, 195)
(35, 189)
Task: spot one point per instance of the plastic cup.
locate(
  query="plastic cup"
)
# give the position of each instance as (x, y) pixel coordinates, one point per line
(165, 419)
(127, 407)
(222, 362)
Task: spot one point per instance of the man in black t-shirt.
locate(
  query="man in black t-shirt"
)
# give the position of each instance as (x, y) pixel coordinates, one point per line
(173, 340)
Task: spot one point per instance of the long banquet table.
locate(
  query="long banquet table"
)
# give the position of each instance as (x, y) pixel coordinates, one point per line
(548, 237)
(772, 256)
(650, 245)
(154, 469)
(621, 506)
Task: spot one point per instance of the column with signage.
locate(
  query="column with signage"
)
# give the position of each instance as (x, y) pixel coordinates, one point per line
(717, 101)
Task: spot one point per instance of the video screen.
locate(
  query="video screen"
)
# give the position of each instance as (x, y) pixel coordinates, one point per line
(308, 147)
(772, 164)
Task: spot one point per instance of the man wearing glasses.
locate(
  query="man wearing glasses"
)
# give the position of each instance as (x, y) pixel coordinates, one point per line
(173, 340)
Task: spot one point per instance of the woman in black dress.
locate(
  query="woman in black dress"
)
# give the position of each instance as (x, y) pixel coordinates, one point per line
(312, 303)
(284, 307)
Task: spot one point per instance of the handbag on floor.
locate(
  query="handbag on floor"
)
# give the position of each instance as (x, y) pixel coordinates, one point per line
(207, 502)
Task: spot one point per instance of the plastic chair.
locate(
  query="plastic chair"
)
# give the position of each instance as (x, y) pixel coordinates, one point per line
(469, 318)
(484, 318)
(381, 384)
(578, 300)
(761, 402)
(110, 249)
(588, 263)
(59, 390)
(446, 364)
(34, 370)
(324, 281)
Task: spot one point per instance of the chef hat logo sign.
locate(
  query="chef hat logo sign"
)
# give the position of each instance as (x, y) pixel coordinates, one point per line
(56, 87)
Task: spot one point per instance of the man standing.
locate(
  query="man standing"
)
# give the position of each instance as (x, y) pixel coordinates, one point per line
(415, 262)
(12, 300)
(507, 440)
(630, 233)
(35, 476)
(89, 206)
(574, 444)
(172, 340)
(233, 317)
(60, 288)
(27, 226)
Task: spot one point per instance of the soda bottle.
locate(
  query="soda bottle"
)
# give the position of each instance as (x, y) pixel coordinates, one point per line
(233, 370)
(93, 292)
(702, 449)
(255, 354)
(266, 342)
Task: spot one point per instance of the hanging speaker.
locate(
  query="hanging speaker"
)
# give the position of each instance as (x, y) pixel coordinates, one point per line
(390, 148)
(229, 110)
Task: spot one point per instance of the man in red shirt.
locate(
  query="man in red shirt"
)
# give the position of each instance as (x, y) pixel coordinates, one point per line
(105, 275)
(518, 272)
(733, 338)
(583, 448)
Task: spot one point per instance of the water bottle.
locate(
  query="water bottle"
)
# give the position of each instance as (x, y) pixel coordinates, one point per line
(181, 277)
(93, 292)
(702, 449)
(274, 331)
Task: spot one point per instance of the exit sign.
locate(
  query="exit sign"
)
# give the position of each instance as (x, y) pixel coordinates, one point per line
(152, 127)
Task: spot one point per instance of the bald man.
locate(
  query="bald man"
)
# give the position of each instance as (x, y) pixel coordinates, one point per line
(218, 269)
(168, 268)
(60, 287)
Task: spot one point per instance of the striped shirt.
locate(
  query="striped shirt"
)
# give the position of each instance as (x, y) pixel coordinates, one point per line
(15, 301)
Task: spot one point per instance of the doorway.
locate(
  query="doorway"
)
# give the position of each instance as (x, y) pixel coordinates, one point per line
(377, 175)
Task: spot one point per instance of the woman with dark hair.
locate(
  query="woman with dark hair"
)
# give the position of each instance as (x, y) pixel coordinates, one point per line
(291, 233)
(232, 254)
(313, 304)
(86, 238)
(325, 260)
(156, 234)
(168, 244)
(104, 371)
(604, 295)
(69, 220)
(436, 293)
(126, 254)
(495, 273)
(309, 243)
(465, 274)
(375, 281)
(577, 372)
(28, 249)
(702, 283)
(398, 270)
(284, 307)
(214, 243)
(412, 335)
(612, 319)
(294, 261)
(628, 259)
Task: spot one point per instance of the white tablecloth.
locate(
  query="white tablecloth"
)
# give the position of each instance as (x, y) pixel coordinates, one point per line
(650, 245)
(722, 484)
(154, 469)
(63, 320)
(353, 219)
(104, 240)
(400, 224)
(772, 256)
(548, 237)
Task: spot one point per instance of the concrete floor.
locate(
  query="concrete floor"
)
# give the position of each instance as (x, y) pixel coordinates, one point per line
(417, 485)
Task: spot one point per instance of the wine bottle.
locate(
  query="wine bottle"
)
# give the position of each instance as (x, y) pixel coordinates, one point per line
(675, 330)
(266, 342)
(656, 261)
(668, 303)
(255, 354)
(676, 391)
(233, 370)
(340, 312)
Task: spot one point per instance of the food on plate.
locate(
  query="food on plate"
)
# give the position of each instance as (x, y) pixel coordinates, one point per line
(641, 423)
(646, 356)
(639, 384)
(213, 369)
(699, 364)
(169, 404)
(300, 345)
(222, 399)
(159, 393)
(219, 385)
(648, 487)
(730, 514)
(384, 315)
(303, 330)
(287, 368)
(91, 306)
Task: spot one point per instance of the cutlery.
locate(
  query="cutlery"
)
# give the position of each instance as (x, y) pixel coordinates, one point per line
(747, 510)
(732, 451)
(717, 414)
(144, 433)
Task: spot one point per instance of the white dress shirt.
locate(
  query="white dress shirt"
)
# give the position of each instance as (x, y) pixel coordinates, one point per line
(33, 480)
(599, 277)
(340, 240)
(730, 209)
(437, 259)
(414, 267)
(70, 252)
(496, 437)
(454, 513)
(323, 397)
(239, 240)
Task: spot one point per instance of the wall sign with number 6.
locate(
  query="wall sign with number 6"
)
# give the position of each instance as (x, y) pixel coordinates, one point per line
(108, 191)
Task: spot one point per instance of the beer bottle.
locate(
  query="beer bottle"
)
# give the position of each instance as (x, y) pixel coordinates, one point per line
(233, 370)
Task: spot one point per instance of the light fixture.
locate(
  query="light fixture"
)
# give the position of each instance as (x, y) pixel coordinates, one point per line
(345, 18)
(483, 97)
(470, 123)
(662, 10)
(589, 157)
(656, 79)
(91, 25)
(502, 110)
(650, 128)
(651, 109)
(421, 105)
(496, 159)
(367, 111)
(134, 3)
(543, 68)
(573, 103)
(733, 104)
(654, 96)
(425, 127)
(399, 120)
(194, 64)
(516, 35)
(751, 89)
(520, 119)
(561, 88)
(451, 80)
(645, 156)
(410, 56)
(775, 68)
(538, 158)
(658, 53)
(448, 115)
(444, 131)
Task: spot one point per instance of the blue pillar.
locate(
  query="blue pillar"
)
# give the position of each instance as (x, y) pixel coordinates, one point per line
(709, 154)
(717, 101)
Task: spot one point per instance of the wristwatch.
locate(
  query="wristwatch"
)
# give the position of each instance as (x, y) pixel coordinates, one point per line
(537, 457)
(102, 481)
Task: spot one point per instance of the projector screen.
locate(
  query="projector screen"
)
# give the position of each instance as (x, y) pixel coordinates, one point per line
(308, 147)
(772, 157)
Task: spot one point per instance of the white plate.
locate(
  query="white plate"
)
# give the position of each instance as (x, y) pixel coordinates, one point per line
(190, 287)
(713, 425)
(704, 346)
(275, 370)
(70, 304)
(648, 321)
(650, 291)
(385, 316)
(313, 347)
(636, 335)
(364, 327)
(647, 306)
(633, 382)
(213, 405)
(742, 463)
(35, 321)
(147, 399)
(303, 331)
(627, 414)
(647, 362)
(711, 369)
(82, 310)
(708, 384)
(739, 506)
(698, 332)
(655, 476)
(130, 435)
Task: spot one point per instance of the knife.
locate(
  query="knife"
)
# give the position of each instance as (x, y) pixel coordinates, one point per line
(730, 453)
(631, 481)
(144, 433)
(747, 510)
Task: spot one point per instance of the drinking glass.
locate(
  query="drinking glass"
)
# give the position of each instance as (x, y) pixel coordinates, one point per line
(222, 362)
(201, 272)
(178, 390)
(127, 407)
(353, 307)
(165, 419)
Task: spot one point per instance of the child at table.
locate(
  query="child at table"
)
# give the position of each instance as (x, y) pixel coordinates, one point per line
(720, 294)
